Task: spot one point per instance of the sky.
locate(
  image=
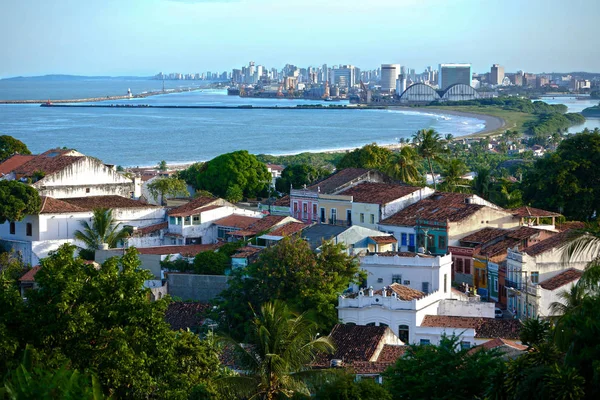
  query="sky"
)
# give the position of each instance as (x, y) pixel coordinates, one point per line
(144, 37)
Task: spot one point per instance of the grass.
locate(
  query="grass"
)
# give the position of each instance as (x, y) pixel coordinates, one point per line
(513, 120)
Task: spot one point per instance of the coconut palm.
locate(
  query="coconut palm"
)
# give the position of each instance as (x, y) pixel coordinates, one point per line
(429, 145)
(403, 165)
(453, 175)
(276, 361)
(102, 229)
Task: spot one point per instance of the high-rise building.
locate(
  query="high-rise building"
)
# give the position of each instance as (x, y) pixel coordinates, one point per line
(389, 75)
(451, 74)
(344, 76)
(496, 74)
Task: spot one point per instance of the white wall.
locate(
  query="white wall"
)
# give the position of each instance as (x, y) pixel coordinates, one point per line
(400, 204)
(460, 308)
(484, 218)
(368, 210)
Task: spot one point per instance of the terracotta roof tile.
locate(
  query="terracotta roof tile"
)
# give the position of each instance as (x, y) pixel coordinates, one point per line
(236, 221)
(484, 235)
(338, 179)
(526, 211)
(550, 243)
(523, 232)
(13, 163)
(404, 254)
(575, 225)
(187, 251)
(288, 229)
(283, 202)
(499, 247)
(266, 223)
(148, 229)
(48, 162)
(191, 207)
(567, 276)
(383, 239)
(92, 202)
(247, 251)
(404, 293)
(484, 327)
(439, 207)
(369, 368)
(354, 343)
(182, 315)
(50, 205)
(29, 276)
(391, 352)
(499, 342)
(378, 193)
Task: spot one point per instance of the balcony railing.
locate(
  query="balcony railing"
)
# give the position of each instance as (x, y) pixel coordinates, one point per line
(512, 284)
(339, 222)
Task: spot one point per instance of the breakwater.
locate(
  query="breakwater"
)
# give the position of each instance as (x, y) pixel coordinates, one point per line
(105, 98)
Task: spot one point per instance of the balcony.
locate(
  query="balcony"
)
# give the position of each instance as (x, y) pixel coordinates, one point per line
(339, 222)
(512, 284)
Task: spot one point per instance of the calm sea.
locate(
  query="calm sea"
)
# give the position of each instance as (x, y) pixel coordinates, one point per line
(138, 136)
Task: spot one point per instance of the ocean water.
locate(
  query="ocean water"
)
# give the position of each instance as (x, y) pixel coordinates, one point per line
(575, 105)
(144, 136)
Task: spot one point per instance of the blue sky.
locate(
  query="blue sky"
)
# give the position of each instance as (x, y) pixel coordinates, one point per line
(143, 37)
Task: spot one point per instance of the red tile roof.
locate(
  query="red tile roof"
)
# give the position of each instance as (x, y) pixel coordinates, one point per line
(187, 251)
(288, 229)
(526, 211)
(249, 225)
(182, 315)
(369, 368)
(523, 232)
(484, 235)
(484, 327)
(29, 276)
(339, 179)
(383, 239)
(391, 353)
(266, 223)
(565, 277)
(148, 229)
(13, 163)
(51, 161)
(500, 342)
(191, 207)
(499, 247)
(440, 207)
(553, 242)
(236, 221)
(247, 251)
(404, 254)
(50, 205)
(378, 193)
(92, 202)
(404, 293)
(355, 342)
(282, 202)
(575, 225)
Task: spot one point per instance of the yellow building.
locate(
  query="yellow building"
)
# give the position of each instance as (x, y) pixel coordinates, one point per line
(335, 209)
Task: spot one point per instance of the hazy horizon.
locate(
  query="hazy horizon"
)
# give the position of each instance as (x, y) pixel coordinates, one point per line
(144, 37)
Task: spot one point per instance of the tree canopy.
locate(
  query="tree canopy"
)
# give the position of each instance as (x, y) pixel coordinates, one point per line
(10, 146)
(298, 175)
(568, 180)
(17, 200)
(171, 186)
(289, 271)
(369, 156)
(102, 320)
(230, 171)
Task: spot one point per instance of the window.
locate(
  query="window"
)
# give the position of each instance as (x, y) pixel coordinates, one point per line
(403, 239)
(397, 279)
(322, 215)
(295, 207)
(196, 220)
(459, 265)
(304, 210)
(467, 265)
(314, 212)
(496, 285)
(362, 217)
(187, 220)
(333, 215)
(382, 324)
(403, 333)
(411, 240)
(442, 242)
(445, 283)
(425, 287)
(173, 220)
(12, 228)
(87, 190)
(29, 229)
(406, 283)
(535, 276)
(425, 342)
(349, 217)
(465, 345)
(372, 218)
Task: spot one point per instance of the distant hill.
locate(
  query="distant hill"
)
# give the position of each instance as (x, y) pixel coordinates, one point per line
(58, 77)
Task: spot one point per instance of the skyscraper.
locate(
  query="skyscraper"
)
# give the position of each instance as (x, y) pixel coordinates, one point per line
(389, 75)
(344, 76)
(451, 74)
(496, 74)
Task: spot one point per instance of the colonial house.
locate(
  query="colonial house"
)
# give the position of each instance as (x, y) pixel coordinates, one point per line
(527, 268)
(356, 239)
(535, 217)
(473, 331)
(61, 173)
(242, 227)
(304, 203)
(548, 291)
(58, 219)
(442, 219)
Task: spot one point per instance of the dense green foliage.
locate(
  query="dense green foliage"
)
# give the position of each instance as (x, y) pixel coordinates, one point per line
(277, 364)
(345, 387)
(550, 123)
(103, 229)
(235, 174)
(510, 103)
(289, 271)
(568, 180)
(441, 372)
(207, 262)
(429, 145)
(298, 175)
(162, 187)
(190, 174)
(102, 320)
(317, 160)
(10, 146)
(17, 200)
(370, 156)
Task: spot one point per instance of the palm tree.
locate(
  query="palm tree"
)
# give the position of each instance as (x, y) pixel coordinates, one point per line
(429, 146)
(453, 175)
(103, 229)
(403, 165)
(482, 183)
(276, 361)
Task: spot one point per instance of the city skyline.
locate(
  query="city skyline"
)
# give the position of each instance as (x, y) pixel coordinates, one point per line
(144, 37)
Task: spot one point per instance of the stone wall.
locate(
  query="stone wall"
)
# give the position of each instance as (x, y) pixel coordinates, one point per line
(196, 287)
